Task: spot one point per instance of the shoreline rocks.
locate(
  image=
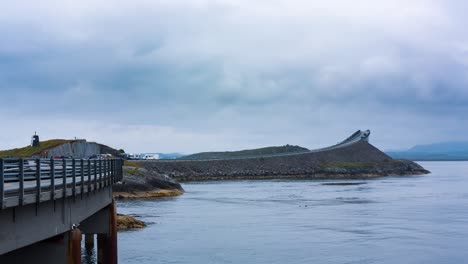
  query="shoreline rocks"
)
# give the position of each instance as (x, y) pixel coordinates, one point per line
(147, 194)
(126, 222)
(140, 183)
(320, 176)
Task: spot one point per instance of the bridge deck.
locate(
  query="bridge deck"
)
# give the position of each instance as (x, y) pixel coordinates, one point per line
(26, 181)
(44, 198)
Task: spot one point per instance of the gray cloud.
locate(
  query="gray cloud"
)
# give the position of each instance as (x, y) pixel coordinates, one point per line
(204, 75)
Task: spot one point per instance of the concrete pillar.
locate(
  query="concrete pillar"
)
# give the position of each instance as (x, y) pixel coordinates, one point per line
(113, 234)
(74, 247)
(107, 243)
(101, 242)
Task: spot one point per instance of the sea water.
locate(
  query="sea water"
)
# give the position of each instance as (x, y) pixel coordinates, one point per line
(403, 219)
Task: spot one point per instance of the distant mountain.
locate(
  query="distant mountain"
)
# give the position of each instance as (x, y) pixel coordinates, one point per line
(437, 151)
(245, 153)
(445, 147)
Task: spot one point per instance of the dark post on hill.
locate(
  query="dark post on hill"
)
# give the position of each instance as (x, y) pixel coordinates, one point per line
(35, 140)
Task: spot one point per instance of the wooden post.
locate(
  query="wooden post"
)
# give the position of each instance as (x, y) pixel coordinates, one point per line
(74, 247)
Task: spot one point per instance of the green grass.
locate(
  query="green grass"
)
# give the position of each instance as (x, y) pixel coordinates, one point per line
(131, 170)
(132, 167)
(346, 164)
(130, 163)
(246, 153)
(29, 151)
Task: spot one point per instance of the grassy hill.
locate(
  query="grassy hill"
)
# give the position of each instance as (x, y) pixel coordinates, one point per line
(245, 153)
(29, 151)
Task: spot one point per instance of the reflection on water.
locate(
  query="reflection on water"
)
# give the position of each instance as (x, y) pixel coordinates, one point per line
(88, 253)
(416, 219)
(343, 183)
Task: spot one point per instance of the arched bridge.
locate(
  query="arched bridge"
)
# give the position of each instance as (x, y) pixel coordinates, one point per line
(45, 206)
(358, 136)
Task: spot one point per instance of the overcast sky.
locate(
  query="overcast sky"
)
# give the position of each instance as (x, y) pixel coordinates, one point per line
(189, 76)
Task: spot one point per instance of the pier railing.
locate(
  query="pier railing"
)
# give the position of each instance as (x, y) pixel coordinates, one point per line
(28, 181)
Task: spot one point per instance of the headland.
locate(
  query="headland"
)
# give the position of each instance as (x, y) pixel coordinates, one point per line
(354, 157)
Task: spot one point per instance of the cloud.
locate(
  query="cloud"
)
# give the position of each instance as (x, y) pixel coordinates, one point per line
(242, 73)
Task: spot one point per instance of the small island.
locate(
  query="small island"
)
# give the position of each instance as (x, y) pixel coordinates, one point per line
(352, 158)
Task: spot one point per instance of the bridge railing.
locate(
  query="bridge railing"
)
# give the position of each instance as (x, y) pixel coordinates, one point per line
(28, 181)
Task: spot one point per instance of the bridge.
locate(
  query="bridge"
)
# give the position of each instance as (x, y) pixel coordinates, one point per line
(358, 136)
(46, 205)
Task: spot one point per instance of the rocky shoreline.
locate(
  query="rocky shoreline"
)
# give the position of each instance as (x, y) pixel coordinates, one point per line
(147, 194)
(126, 222)
(140, 183)
(319, 176)
(330, 171)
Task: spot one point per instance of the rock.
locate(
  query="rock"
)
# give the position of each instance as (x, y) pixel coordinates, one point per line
(141, 183)
(125, 222)
(148, 194)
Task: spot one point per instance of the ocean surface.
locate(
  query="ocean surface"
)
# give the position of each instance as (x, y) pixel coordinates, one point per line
(411, 219)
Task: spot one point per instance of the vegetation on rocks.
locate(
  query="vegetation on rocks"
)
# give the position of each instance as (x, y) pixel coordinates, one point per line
(140, 183)
(29, 151)
(244, 153)
(129, 163)
(125, 222)
(148, 194)
(346, 164)
(77, 148)
(130, 170)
